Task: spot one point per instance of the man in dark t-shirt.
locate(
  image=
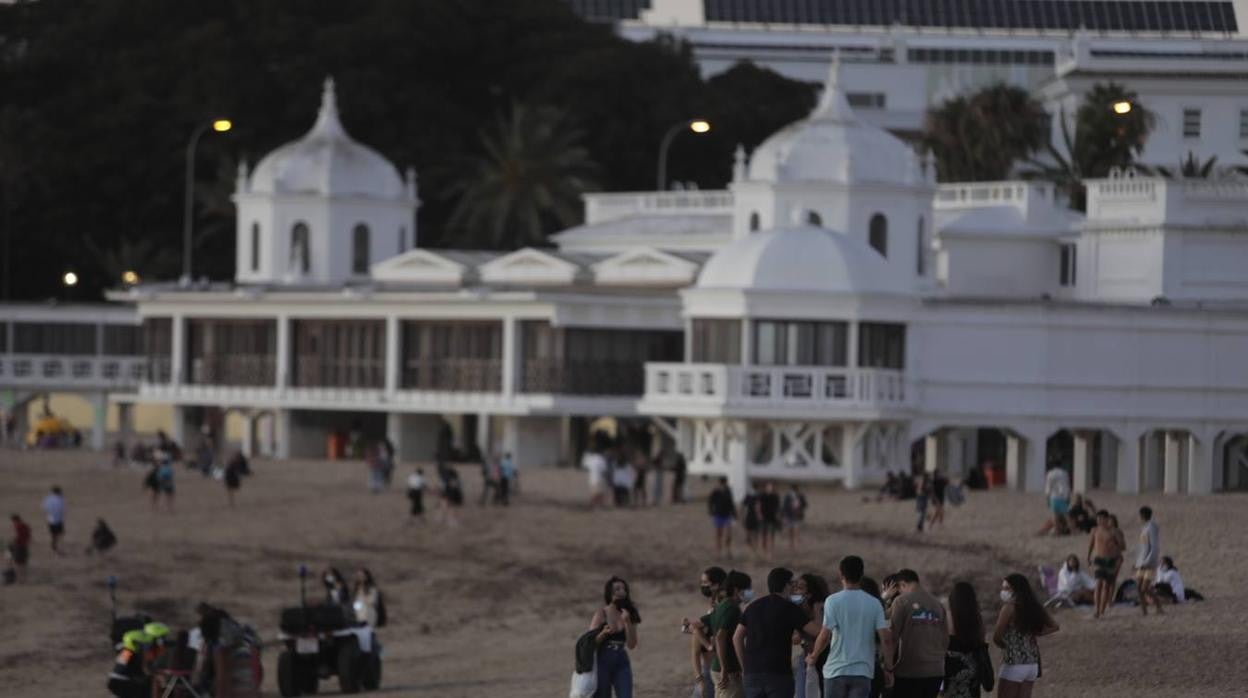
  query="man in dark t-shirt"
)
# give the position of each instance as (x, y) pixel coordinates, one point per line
(764, 638)
(723, 510)
(769, 507)
(725, 666)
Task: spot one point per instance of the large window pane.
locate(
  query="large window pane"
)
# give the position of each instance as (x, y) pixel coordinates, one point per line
(799, 343)
(881, 345)
(717, 341)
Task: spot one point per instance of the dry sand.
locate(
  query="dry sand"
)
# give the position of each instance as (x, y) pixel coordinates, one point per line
(494, 606)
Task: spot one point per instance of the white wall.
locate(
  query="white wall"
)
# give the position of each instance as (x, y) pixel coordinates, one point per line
(1002, 267)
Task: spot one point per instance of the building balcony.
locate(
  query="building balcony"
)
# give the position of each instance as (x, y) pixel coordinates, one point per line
(772, 390)
(71, 372)
(600, 377)
(456, 375)
(609, 206)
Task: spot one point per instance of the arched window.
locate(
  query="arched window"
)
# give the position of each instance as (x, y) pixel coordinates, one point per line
(255, 247)
(300, 249)
(878, 234)
(402, 239)
(754, 222)
(920, 264)
(813, 218)
(359, 249)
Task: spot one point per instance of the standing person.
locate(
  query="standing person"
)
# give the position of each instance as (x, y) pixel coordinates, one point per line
(506, 475)
(1021, 621)
(452, 494)
(680, 469)
(763, 639)
(641, 467)
(968, 666)
(365, 598)
(723, 511)
(1057, 494)
(701, 648)
(618, 620)
(54, 512)
(769, 510)
(939, 484)
(234, 470)
(918, 623)
(752, 516)
(489, 481)
(388, 460)
(375, 459)
(809, 592)
(19, 549)
(595, 466)
(164, 481)
(725, 666)
(793, 509)
(852, 620)
(1103, 554)
(1147, 559)
(336, 591)
(622, 478)
(416, 493)
(119, 454)
(659, 465)
(922, 490)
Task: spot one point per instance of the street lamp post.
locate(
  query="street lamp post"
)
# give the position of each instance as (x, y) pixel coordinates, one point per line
(695, 125)
(220, 126)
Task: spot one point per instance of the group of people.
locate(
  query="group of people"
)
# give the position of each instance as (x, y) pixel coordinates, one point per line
(362, 599)
(801, 639)
(17, 552)
(631, 477)
(764, 514)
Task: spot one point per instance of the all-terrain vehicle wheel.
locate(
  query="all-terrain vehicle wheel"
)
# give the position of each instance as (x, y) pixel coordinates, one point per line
(370, 677)
(349, 665)
(287, 668)
(308, 675)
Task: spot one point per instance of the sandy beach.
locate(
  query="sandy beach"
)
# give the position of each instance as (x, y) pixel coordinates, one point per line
(495, 605)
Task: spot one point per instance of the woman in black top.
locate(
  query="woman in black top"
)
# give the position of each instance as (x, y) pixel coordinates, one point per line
(968, 667)
(616, 623)
(809, 592)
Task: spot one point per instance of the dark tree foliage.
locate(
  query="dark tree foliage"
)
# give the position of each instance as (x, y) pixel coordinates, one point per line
(100, 97)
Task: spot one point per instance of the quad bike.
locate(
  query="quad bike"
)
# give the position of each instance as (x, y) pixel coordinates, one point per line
(324, 641)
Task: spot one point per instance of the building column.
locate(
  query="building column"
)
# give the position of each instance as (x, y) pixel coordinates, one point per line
(851, 344)
(1128, 475)
(1081, 481)
(99, 420)
(1024, 460)
(1034, 462)
(125, 422)
(955, 458)
(851, 454)
(511, 352)
(747, 343)
(1173, 466)
(282, 433)
(1200, 461)
(1013, 461)
(735, 459)
(394, 362)
(178, 434)
(281, 359)
(1109, 462)
(1216, 455)
(248, 446)
(931, 451)
(1152, 454)
(177, 347)
(483, 437)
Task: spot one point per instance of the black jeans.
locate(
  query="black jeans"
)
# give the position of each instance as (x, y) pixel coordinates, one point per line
(769, 686)
(927, 687)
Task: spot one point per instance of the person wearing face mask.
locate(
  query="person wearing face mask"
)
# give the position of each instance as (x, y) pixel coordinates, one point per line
(701, 647)
(809, 592)
(1021, 621)
(617, 621)
(336, 591)
(725, 667)
(763, 639)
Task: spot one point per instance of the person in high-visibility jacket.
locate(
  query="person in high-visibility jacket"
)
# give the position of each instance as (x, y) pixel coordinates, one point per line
(129, 678)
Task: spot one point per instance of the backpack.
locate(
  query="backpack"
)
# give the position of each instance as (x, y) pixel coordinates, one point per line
(381, 609)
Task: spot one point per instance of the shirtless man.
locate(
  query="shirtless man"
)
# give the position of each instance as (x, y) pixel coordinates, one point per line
(1103, 552)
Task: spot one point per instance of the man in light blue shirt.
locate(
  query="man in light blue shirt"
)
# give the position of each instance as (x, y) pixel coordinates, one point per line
(852, 620)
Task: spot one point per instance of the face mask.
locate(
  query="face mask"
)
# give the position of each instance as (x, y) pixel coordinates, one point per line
(797, 598)
(707, 591)
(1007, 596)
(747, 595)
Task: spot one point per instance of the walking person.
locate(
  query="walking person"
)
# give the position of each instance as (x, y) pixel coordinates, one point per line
(489, 481)
(506, 476)
(452, 495)
(919, 626)
(595, 466)
(641, 468)
(1103, 554)
(416, 494)
(1147, 559)
(622, 478)
(725, 666)
(680, 470)
(234, 470)
(164, 482)
(922, 490)
(1022, 619)
(1057, 495)
(723, 511)
(793, 511)
(618, 619)
(752, 517)
(939, 484)
(769, 513)
(763, 639)
(968, 666)
(19, 547)
(54, 512)
(852, 621)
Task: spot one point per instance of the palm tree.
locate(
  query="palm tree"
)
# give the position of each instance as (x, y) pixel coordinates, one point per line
(526, 183)
(979, 138)
(1103, 140)
(147, 257)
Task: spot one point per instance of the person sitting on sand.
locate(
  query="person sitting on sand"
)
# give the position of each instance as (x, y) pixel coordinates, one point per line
(1170, 586)
(1080, 514)
(1074, 584)
(1104, 555)
(102, 538)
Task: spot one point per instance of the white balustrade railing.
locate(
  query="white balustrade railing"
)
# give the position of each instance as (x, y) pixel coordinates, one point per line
(87, 371)
(607, 206)
(977, 194)
(774, 386)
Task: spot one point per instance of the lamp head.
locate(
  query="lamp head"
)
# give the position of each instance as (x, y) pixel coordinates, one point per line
(700, 126)
(222, 125)
(70, 279)
(1122, 107)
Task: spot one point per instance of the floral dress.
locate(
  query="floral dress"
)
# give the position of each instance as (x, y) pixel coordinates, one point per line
(964, 682)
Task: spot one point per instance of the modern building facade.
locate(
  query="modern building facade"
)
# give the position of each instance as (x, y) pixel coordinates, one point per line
(832, 315)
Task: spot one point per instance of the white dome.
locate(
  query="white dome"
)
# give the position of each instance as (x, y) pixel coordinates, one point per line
(801, 258)
(831, 145)
(327, 162)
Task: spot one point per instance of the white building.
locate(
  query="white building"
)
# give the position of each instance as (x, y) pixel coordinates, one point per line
(830, 314)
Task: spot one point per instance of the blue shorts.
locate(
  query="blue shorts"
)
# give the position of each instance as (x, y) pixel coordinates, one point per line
(1059, 505)
(721, 521)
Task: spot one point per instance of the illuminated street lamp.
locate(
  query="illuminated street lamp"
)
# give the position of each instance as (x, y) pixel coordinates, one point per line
(698, 126)
(130, 277)
(70, 279)
(1122, 107)
(220, 126)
